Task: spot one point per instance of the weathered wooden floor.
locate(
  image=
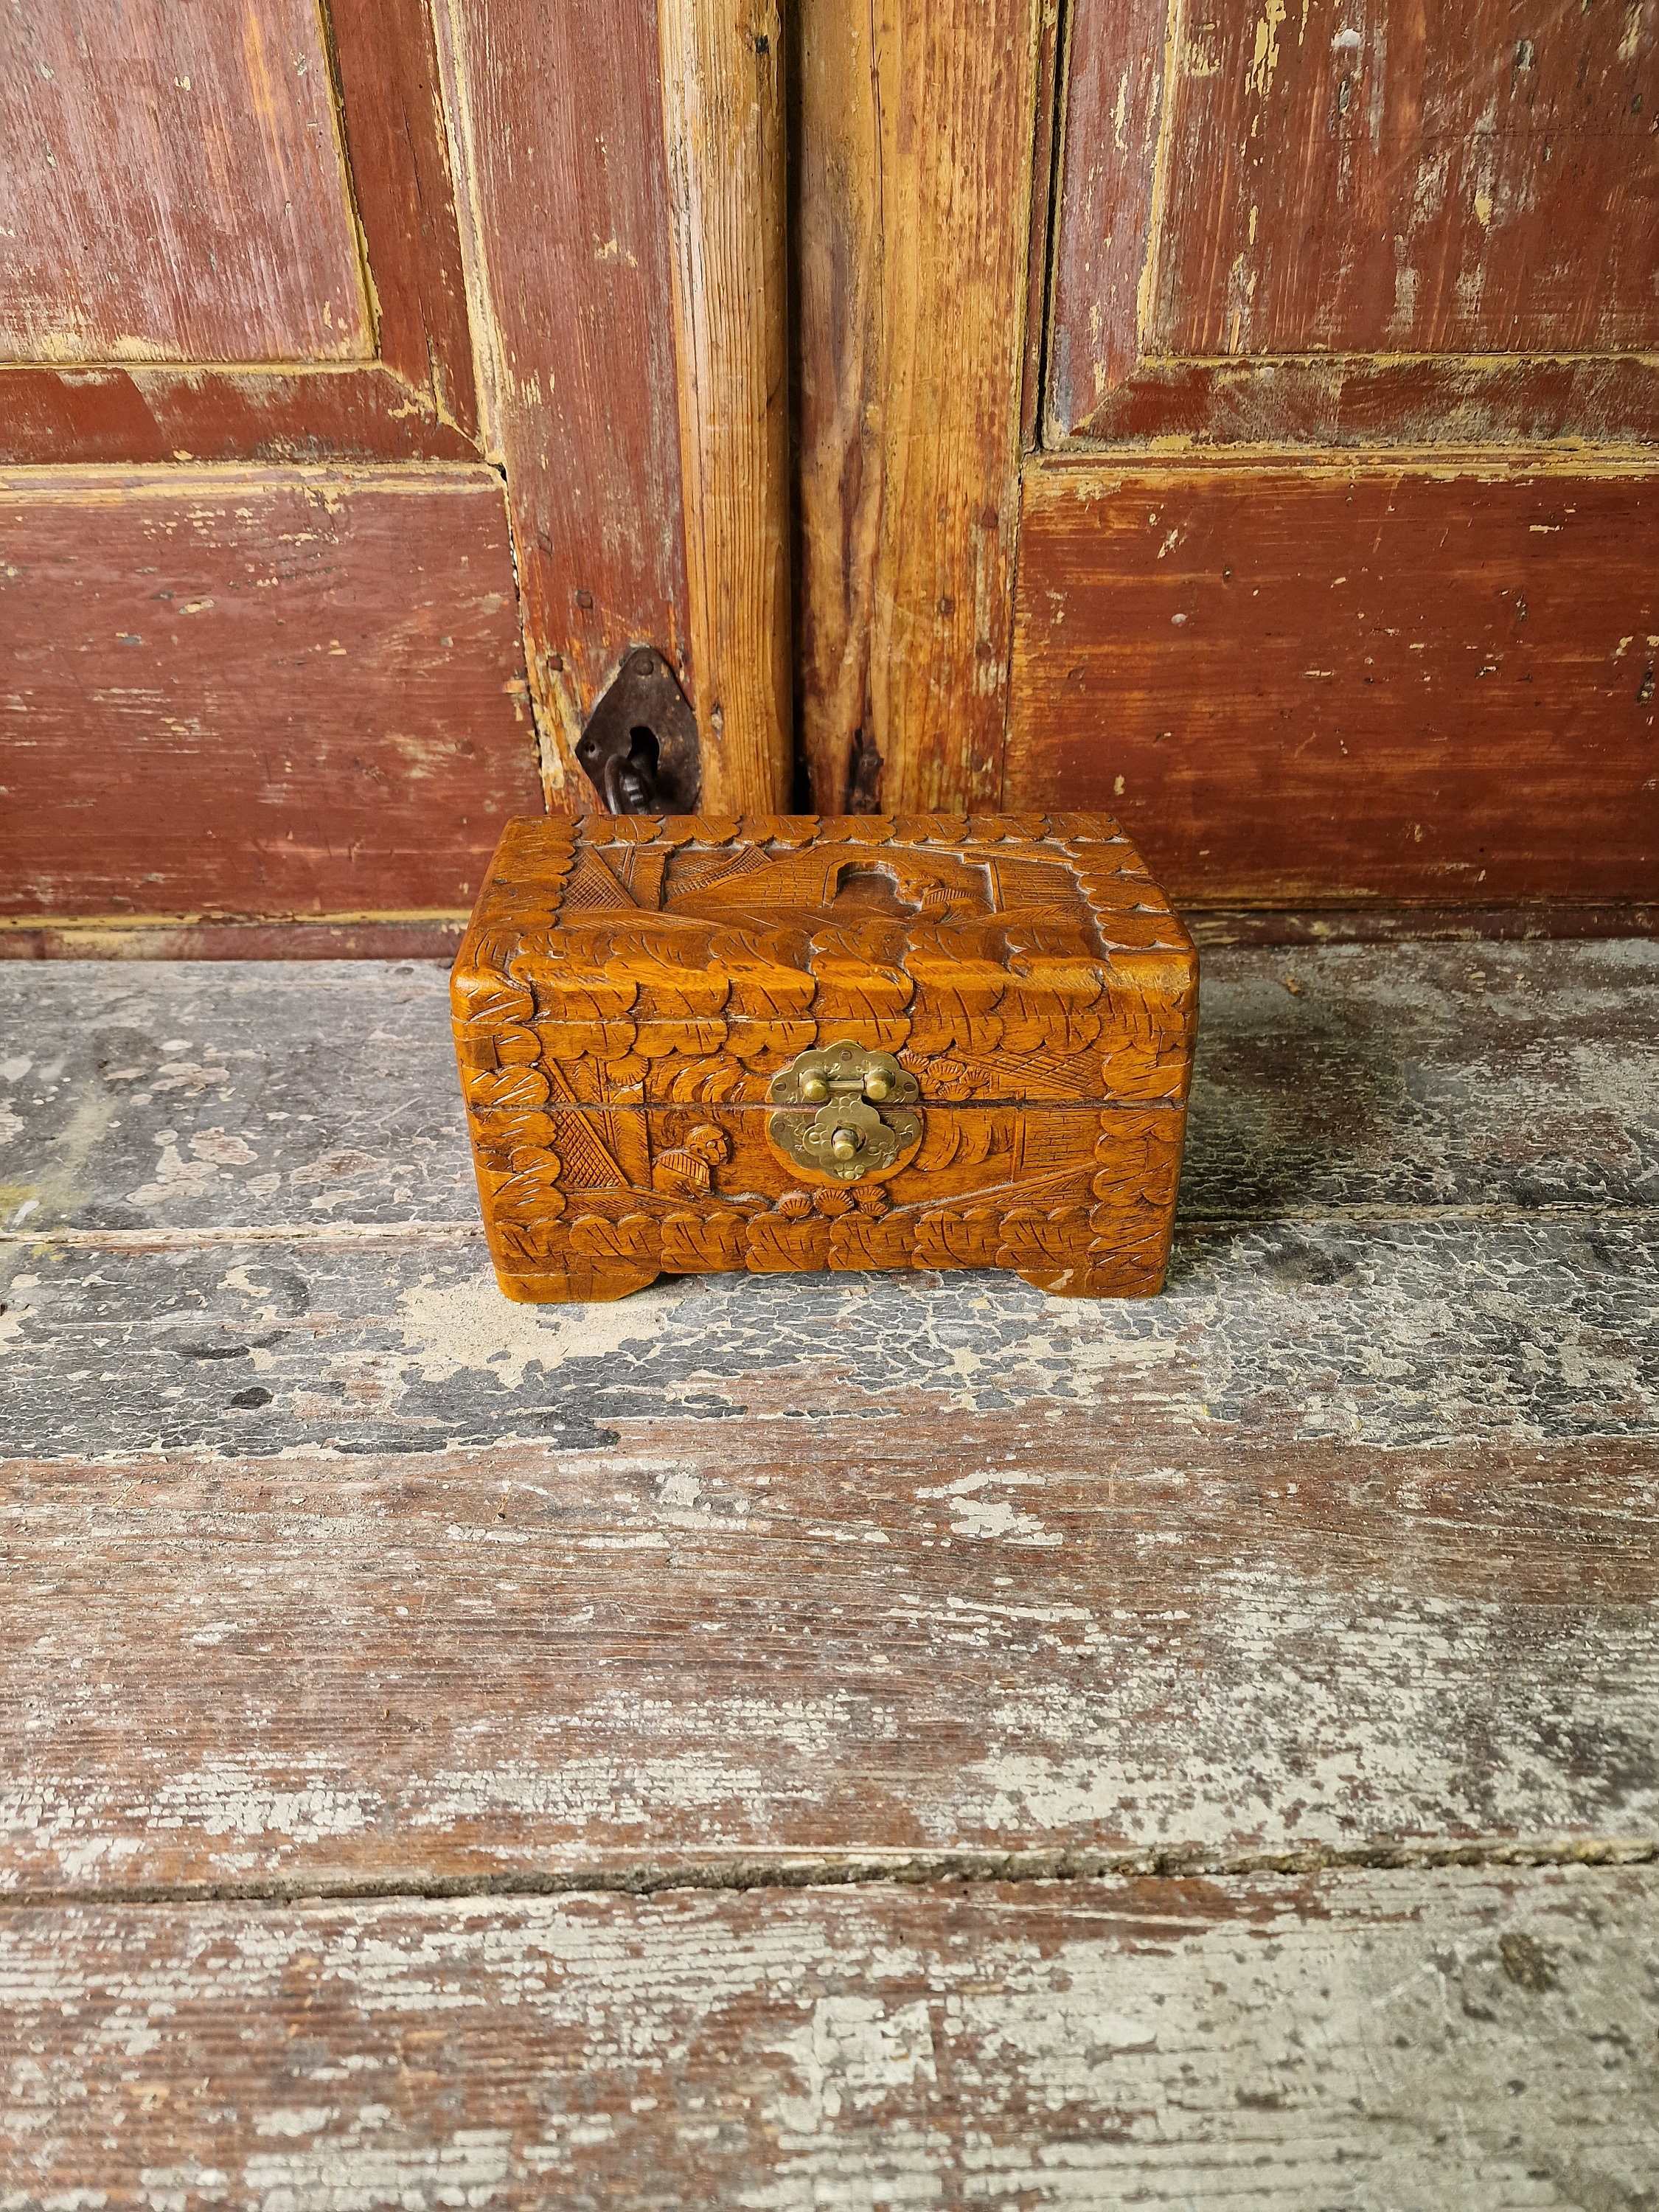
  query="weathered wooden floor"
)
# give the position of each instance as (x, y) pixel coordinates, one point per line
(843, 1742)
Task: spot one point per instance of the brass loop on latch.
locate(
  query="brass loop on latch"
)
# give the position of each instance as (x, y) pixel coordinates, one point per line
(846, 1112)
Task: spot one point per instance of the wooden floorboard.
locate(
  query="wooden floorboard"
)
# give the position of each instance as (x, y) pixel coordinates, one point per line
(1505, 1075)
(706, 1652)
(1381, 1334)
(428, 1726)
(1375, 2041)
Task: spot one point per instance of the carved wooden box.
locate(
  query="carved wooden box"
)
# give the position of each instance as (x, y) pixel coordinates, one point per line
(794, 1043)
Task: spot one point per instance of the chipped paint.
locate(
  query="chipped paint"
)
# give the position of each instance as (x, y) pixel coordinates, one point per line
(286, 556)
(1264, 61)
(1481, 2036)
(1343, 1548)
(199, 253)
(1426, 218)
(448, 1327)
(1387, 1428)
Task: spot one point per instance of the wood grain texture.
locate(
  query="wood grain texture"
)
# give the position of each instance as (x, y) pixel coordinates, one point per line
(1377, 684)
(279, 692)
(416, 400)
(130, 416)
(1560, 1344)
(1113, 81)
(912, 216)
(1413, 227)
(1345, 1546)
(334, 1573)
(1045, 169)
(723, 120)
(1436, 179)
(392, 113)
(1378, 2041)
(562, 178)
(632, 998)
(1356, 402)
(894, 1631)
(396, 937)
(1404, 924)
(174, 188)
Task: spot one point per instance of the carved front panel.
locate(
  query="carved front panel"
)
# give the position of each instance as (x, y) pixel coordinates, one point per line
(1061, 1194)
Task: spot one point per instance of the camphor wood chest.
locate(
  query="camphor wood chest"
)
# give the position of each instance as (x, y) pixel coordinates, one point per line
(797, 1042)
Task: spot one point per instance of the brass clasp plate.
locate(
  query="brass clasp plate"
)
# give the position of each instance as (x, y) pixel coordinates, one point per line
(848, 1113)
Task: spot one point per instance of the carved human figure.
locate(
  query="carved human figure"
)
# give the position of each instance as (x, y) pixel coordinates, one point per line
(688, 1171)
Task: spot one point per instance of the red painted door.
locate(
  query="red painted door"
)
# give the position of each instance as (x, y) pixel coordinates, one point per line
(1339, 571)
(260, 650)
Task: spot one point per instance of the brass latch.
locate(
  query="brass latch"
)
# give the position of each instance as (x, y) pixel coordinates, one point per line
(847, 1112)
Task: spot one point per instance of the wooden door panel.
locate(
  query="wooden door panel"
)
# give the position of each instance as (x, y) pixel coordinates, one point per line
(277, 692)
(1434, 178)
(1362, 222)
(248, 691)
(395, 135)
(1323, 686)
(215, 331)
(174, 413)
(174, 187)
(1402, 654)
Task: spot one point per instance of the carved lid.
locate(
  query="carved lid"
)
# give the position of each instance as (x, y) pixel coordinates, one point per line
(1012, 955)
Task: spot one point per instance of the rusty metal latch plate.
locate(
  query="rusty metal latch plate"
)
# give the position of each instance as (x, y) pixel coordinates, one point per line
(639, 749)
